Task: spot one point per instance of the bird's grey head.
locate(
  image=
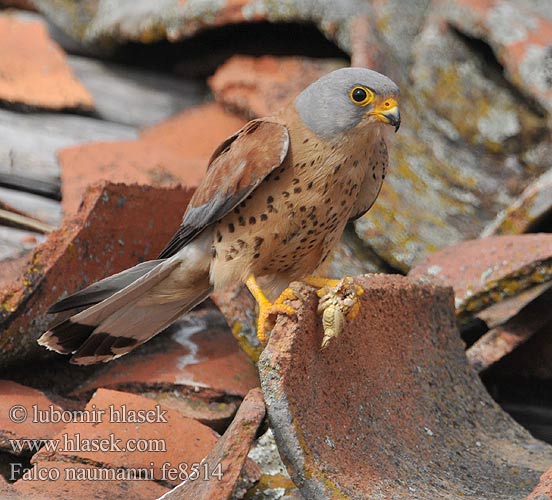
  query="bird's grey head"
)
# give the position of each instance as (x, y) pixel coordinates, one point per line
(347, 97)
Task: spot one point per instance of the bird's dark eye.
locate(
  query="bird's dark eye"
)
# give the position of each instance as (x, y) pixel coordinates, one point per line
(361, 95)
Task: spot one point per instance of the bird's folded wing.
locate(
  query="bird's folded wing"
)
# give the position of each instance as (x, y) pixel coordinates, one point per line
(236, 168)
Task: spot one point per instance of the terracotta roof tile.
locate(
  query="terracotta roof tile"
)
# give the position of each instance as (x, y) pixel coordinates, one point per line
(20, 417)
(223, 465)
(391, 409)
(33, 69)
(131, 442)
(117, 227)
(260, 86)
(171, 152)
(198, 353)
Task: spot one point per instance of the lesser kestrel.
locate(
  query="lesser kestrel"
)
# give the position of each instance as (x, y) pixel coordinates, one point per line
(273, 204)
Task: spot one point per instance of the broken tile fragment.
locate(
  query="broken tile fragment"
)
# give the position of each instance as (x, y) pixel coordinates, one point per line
(13, 259)
(30, 141)
(228, 457)
(197, 354)
(7, 491)
(116, 227)
(138, 434)
(20, 417)
(214, 414)
(531, 360)
(18, 4)
(12, 217)
(249, 476)
(391, 409)
(118, 22)
(443, 189)
(543, 490)
(366, 51)
(274, 482)
(260, 86)
(518, 34)
(34, 71)
(503, 339)
(239, 309)
(397, 24)
(175, 151)
(533, 206)
(43, 207)
(483, 272)
(490, 128)
(499, 313)
(15, 245)
(50, 480)
(135, 96)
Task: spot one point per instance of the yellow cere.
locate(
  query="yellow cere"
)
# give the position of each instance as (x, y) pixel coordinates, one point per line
(383, 107)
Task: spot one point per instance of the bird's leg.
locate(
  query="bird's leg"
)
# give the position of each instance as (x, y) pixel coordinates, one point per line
(338, 302)
(267, 308)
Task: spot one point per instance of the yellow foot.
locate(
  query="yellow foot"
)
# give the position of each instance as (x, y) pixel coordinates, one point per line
(338, 303)
(318, 282)
(268, 310)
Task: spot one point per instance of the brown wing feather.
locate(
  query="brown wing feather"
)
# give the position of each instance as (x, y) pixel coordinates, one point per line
(236, 168)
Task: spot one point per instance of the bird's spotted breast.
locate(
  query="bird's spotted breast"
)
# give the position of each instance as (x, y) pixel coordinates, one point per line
(289, 225)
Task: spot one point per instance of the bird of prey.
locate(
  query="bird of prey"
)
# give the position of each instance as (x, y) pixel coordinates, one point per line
(273, 203)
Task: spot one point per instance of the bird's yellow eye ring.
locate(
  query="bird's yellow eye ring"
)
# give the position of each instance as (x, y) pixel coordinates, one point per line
(361, 96)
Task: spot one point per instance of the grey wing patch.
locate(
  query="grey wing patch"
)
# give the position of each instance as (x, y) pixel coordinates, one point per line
(238, 166)
(103, 289)
(194, 221)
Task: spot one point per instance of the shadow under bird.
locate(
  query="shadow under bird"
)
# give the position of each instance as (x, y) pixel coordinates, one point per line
(273, 204)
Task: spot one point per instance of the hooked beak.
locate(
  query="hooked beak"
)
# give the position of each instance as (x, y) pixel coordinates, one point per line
(387, 112)
(392, 117)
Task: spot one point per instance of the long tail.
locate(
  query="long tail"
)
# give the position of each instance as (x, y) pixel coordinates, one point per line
(115, 315)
